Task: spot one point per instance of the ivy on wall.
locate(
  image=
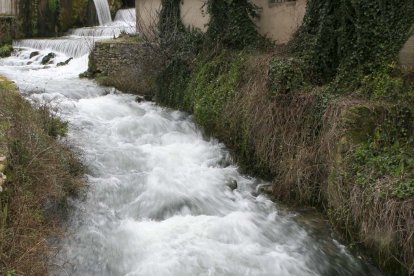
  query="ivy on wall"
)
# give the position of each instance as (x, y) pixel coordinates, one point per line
(169, 23)
(358, 36)
(232, 23)
(50, 17)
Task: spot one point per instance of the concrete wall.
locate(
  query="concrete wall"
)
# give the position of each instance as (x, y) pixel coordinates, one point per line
(279, 21)
(193, 14)
(9, 7)
(407, 54)
(147, 14)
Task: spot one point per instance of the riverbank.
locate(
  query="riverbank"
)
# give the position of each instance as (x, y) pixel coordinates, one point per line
(349, 156)
(41, 173)
(346, 154)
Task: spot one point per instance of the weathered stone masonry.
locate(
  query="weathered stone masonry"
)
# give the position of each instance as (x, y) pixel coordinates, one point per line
(118, 63)
(112, 57)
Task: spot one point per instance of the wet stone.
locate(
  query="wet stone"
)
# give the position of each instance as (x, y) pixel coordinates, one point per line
(48, 58)
(64, 62)
(232, 184)
(33, 54)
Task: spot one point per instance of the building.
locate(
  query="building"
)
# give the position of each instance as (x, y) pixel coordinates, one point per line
(407, 54)
(9, 7)
(279, 18)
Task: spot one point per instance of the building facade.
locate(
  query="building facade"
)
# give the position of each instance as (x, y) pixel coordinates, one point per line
(407, 54)
(9, 7)
(278, 21)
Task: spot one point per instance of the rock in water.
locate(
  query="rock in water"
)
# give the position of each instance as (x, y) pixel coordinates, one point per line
(265, 189)
(148, 98)
(232, 184)
(64, 62)
(48, 58)
(139, 99)
(33, 54)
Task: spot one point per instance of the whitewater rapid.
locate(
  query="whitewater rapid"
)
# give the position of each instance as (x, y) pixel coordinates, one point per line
(159, 199)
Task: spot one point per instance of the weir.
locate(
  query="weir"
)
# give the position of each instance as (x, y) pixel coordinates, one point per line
(79, 42)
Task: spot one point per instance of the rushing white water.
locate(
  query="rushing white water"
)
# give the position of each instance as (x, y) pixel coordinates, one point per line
(126, 15)
(103, 11)
(158, 201)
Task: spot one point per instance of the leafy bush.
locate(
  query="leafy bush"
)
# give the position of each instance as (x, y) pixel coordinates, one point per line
(213, 84)
(231, 24)
(385, 162)
(387, 84)
(285, 75)
(353, 38)
(6, 50)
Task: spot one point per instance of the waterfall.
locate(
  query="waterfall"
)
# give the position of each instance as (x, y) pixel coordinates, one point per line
(104, 14)
(70, 47)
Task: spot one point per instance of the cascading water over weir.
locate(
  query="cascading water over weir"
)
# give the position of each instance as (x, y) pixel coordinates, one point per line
(102, 9)
(159, 200)
(79, 42)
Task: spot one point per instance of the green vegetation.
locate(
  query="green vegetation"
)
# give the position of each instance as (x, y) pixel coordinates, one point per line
(114, 6)
(54, 17)
(387, 153)
(213, 84)
(5, 50)
(41, 174)
(231, 24)
(347, 39)
(206, 89)
(286, 75)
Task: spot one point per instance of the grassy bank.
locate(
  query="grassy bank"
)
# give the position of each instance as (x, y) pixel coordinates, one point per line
(41, 174)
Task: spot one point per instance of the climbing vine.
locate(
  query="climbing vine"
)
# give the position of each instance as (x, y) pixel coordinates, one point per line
(232, 23)
(170, 19)
(349, 38)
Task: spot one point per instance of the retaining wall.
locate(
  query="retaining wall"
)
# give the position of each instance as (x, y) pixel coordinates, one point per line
(119, 63)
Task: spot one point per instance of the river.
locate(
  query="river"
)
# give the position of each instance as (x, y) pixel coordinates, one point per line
(158, 200)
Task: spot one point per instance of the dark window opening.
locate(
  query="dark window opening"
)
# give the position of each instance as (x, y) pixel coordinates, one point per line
(128, 3)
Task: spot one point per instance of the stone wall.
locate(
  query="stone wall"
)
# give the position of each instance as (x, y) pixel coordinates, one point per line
(147, 15)
(194, 13)
(119, 63)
